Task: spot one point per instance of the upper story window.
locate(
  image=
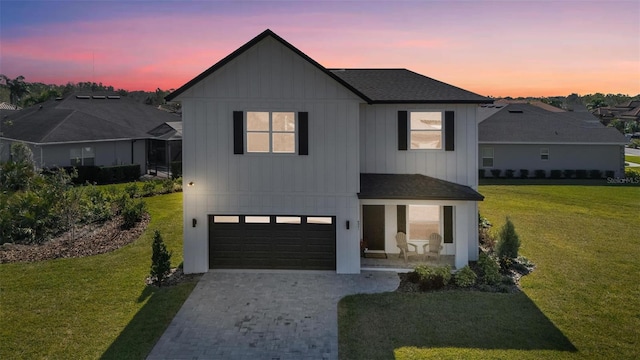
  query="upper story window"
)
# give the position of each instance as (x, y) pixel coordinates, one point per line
(271, 132)
(544, 153)
(425, 129)
(83, 156)
(487, 157)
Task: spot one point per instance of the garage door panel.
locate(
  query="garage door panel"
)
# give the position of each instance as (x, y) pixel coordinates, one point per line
(272, 246)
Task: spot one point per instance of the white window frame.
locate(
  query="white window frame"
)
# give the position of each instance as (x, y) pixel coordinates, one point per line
(544, 154)
(484, 157)
(271, 132)
(440, 222)
(417, 130)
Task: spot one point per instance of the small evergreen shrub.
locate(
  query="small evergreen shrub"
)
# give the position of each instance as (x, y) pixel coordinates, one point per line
(581, 174)
(595, 174)
(167, 186)
(432, 278)
(465, 277)
(160, 259)
(540, 174)
(509, 241)
(524, 173)
(132, 190)
(555, 174)
(509, 173)
(148, 188)
(495, 173)
(132, 212)
(569, 174)
(489, 270)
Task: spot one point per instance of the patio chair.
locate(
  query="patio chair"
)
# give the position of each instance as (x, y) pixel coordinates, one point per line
(434, 247)
(401, 242)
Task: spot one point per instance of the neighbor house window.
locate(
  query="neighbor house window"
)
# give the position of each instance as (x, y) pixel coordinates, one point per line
(544, 153)
(487, 157)
(271, 132)
(83, 156)
(425, 129)
(423, 221)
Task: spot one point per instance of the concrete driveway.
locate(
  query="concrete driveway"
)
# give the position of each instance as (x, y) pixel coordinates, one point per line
(275, 315)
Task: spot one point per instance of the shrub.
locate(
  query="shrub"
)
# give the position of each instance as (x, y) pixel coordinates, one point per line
(581, 174)
(132, 212)
(555, 174)
(176, 169)
(568, 174)
(465, 277)
(131, 190)
(632, 173)
(160, 259)
(489, 270)
(118, 174)
(509, 173)
(540, 174)
(432, 278)
(481, 174)
(524, 173)
(509, 241)
(495, 173)
(167, 186)
(609, 173)
(595, 174)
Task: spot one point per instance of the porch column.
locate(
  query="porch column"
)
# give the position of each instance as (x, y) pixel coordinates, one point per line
(462, 215)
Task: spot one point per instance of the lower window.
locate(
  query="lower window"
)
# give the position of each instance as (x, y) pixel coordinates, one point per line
(423, 221)
(83, 156)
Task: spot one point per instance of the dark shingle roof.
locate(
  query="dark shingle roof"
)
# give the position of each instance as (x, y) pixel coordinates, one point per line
(405, 86)
(84, 119)
(413, 187)
(524, 123)
(381, 86)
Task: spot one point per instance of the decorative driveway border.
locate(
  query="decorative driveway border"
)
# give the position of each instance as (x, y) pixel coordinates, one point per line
(274, 315)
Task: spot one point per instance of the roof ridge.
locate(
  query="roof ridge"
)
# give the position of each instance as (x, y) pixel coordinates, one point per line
(42, 140)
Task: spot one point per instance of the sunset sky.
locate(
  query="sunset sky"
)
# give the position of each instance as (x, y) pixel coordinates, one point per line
(493, 48)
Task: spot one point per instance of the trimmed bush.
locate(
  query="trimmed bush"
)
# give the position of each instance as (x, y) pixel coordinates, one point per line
(495, 173)
(465, 277)
(489, 270)
(509, 241)
(132, 212)
(595, 174)
(569, 174)
(632, 173)
(432, 278)
(609, 173)
(118, 174)
(524, 173)
(509, 173)
(540, 174)
(581, 174)
(160, 259)
(555, 174)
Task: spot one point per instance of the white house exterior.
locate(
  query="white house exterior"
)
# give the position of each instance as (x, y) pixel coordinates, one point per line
(286, 164)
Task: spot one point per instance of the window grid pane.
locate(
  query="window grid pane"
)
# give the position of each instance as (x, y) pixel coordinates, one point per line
(271, 132)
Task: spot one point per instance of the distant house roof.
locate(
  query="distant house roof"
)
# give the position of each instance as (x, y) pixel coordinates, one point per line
(84, 117)
(371, 85)
(525, 123)
(168, 131)
(413, 187)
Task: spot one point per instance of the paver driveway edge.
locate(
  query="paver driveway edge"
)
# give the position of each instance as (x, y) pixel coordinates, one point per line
(275, 315)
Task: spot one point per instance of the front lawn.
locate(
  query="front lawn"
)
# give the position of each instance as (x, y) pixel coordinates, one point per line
(580, 302)
(632, 158)
(96, 306)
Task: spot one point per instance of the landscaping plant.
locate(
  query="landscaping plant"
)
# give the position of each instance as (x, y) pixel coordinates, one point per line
(465, 277)
(160, 259)
(509, 241)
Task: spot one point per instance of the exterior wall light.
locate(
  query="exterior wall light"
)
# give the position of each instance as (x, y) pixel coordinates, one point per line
(190, 183)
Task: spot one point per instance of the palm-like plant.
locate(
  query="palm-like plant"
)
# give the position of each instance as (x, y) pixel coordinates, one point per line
(17, 88)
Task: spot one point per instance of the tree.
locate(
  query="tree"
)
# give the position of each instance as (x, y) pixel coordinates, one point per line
(160, 259)
(618, 124)
(509, 241)
(17, 88)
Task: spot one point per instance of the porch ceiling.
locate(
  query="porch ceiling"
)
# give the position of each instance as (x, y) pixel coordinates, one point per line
(413, 187)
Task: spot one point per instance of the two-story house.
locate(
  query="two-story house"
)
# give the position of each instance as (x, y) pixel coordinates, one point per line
(290, 165)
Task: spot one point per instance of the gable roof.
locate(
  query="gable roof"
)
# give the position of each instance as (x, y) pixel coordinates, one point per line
(525, 123)
(393, 86)
(80, 118)
(413, 187)
(375, 86)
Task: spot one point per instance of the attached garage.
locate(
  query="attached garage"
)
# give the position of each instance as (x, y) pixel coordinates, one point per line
(272, 242)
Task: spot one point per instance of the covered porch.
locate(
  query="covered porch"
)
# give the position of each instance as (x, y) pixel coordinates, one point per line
(411, 220)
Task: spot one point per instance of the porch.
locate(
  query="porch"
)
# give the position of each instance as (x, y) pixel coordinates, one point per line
(396, 263)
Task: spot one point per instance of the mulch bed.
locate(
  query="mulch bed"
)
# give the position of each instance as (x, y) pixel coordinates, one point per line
(92, 239)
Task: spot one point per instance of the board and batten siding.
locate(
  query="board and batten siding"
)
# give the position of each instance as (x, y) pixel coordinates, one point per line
(379, 144)
(270, 77)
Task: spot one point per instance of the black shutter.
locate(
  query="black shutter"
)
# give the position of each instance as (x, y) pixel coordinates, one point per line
(402, 218)
(238, 132)
(303, 133)
(402, 130)
(449, 131)
(448, 224)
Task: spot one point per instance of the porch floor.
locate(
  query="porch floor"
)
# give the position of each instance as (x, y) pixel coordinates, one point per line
(393, 262)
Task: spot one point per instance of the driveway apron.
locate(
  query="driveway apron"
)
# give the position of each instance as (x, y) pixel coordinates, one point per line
(264, 315)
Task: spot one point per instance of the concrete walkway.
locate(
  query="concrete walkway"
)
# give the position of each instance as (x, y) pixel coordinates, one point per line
(264, 315)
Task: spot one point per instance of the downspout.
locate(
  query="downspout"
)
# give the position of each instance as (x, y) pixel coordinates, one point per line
(132, 141)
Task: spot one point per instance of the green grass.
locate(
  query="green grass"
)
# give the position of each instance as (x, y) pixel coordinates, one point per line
(96, 306)
(580, 302)
(632, 158)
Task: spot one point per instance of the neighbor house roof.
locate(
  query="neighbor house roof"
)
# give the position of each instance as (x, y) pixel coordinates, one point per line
(413, 187)
(525, 123)
(372, 85)
(168, 131)
(86, 117)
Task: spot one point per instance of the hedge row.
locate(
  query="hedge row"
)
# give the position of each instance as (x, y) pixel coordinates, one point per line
(105, 174)
(544, 174)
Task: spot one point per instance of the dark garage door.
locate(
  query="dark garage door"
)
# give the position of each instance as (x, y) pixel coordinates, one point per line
(272, 242)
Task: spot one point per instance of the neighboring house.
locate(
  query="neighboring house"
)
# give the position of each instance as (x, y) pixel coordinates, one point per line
(629, 111)
(525, 136)
(85, 129)
(288, 165)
